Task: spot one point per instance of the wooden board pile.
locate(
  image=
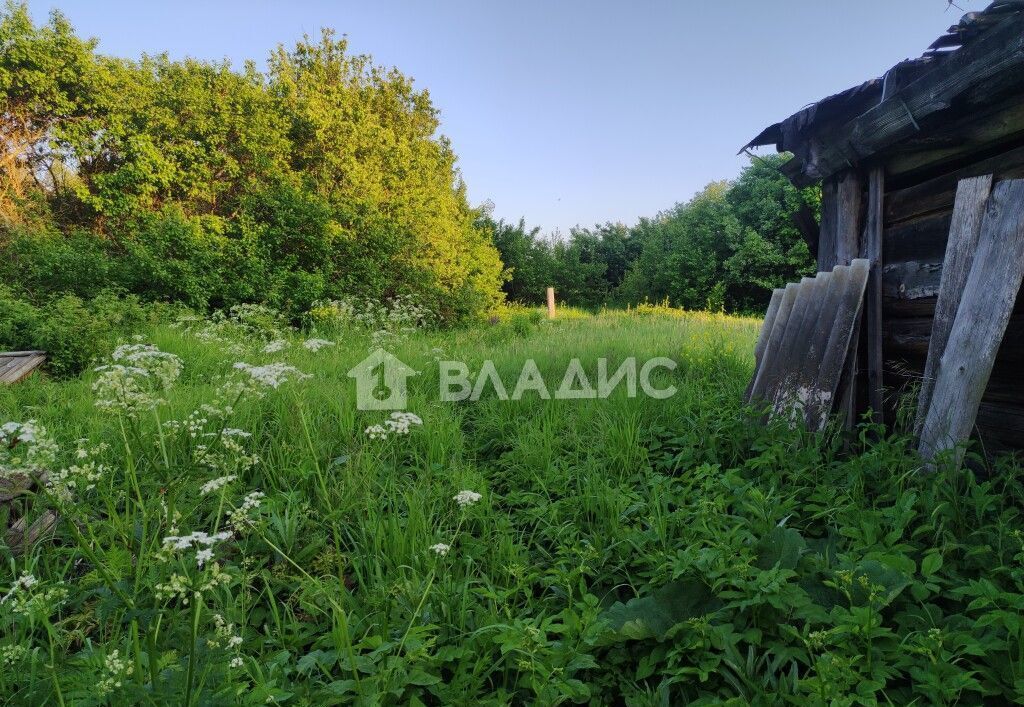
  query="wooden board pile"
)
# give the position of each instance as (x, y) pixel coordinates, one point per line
(17, 365)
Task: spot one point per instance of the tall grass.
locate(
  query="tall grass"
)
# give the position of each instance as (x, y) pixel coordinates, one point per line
(359, 578)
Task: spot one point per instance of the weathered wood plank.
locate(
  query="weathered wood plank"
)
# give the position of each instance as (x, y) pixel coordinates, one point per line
(21, 367)
(977, 332)
(960, 137)
(771, 348)
(849, 192)
(968, 212)
(938, 193)
(872, 252)
(788, 393)
(827, 233)
(852, 281)
(764, 335)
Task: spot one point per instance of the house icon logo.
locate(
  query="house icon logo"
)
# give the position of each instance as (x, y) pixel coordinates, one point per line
(381, 382)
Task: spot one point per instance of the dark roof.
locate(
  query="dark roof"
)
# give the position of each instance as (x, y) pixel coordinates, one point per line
(982, 45)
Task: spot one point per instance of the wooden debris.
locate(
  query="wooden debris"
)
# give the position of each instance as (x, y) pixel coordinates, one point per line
(981, 318)
(968, 212)
(15, 366)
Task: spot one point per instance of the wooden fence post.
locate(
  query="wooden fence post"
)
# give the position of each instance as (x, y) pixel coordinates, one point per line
(551, 303)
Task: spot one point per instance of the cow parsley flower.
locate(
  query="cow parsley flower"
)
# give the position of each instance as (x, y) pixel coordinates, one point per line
(315, 345)
(466, 498)
(271, 375)
(217, 484)
(440, 549)
(275, 346)
(25, 447)
(398, 424)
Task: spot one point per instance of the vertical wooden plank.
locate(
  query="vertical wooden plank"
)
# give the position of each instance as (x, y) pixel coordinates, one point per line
(551, 303)
(827, 232)
(764, 335)
(968, 211)
(848, 203)
(873, 295)
(989, 295)
(769, 357)
(852, 280)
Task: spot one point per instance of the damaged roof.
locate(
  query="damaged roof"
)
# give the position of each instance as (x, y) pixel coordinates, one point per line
(848, 127)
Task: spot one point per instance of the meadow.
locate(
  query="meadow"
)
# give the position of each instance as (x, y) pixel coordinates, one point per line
(233, 530)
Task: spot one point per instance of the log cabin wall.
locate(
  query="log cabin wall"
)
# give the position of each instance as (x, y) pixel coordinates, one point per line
(921, 185)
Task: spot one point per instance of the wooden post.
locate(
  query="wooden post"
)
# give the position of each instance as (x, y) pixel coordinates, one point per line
(964, 231)
(977, 332)
(873, 294)
(551, 303)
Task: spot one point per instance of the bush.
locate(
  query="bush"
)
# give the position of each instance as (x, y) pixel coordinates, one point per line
(73, 332)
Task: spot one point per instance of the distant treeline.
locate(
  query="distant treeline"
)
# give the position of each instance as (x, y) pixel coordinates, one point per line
(726, 248)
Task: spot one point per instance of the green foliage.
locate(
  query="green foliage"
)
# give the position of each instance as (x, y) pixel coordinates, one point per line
(193, 182)
(73, 332)
(623, 551)
(724, 250)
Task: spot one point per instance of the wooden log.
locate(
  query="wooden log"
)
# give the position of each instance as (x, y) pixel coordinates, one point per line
(989, 295)
(852, 281)
(873, 295)
(921, 239)
(551, 302)
(771, 348)
(938, 193)
(764, 335)
(968, 211)
(957, 139)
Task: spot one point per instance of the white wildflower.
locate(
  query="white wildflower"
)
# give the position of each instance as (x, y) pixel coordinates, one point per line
(316, 344)
(466, 498)
(236, 662)
(239, 517)
(217, 484)
(275, 346)
(441, 549)
(197, 539)
(203, 556)
(376, 432)
(23, 583)
(271, 375)
(118, 669)
(25, 447)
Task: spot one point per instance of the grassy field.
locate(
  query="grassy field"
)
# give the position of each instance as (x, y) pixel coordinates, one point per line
(223, 540)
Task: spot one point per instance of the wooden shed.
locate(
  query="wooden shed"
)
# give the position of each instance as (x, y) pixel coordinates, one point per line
(890, 155)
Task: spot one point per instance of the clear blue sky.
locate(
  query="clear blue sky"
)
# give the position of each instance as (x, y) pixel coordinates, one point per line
(568, 111)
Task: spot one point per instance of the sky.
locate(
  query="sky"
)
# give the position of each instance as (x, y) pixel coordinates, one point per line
(568, 112)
